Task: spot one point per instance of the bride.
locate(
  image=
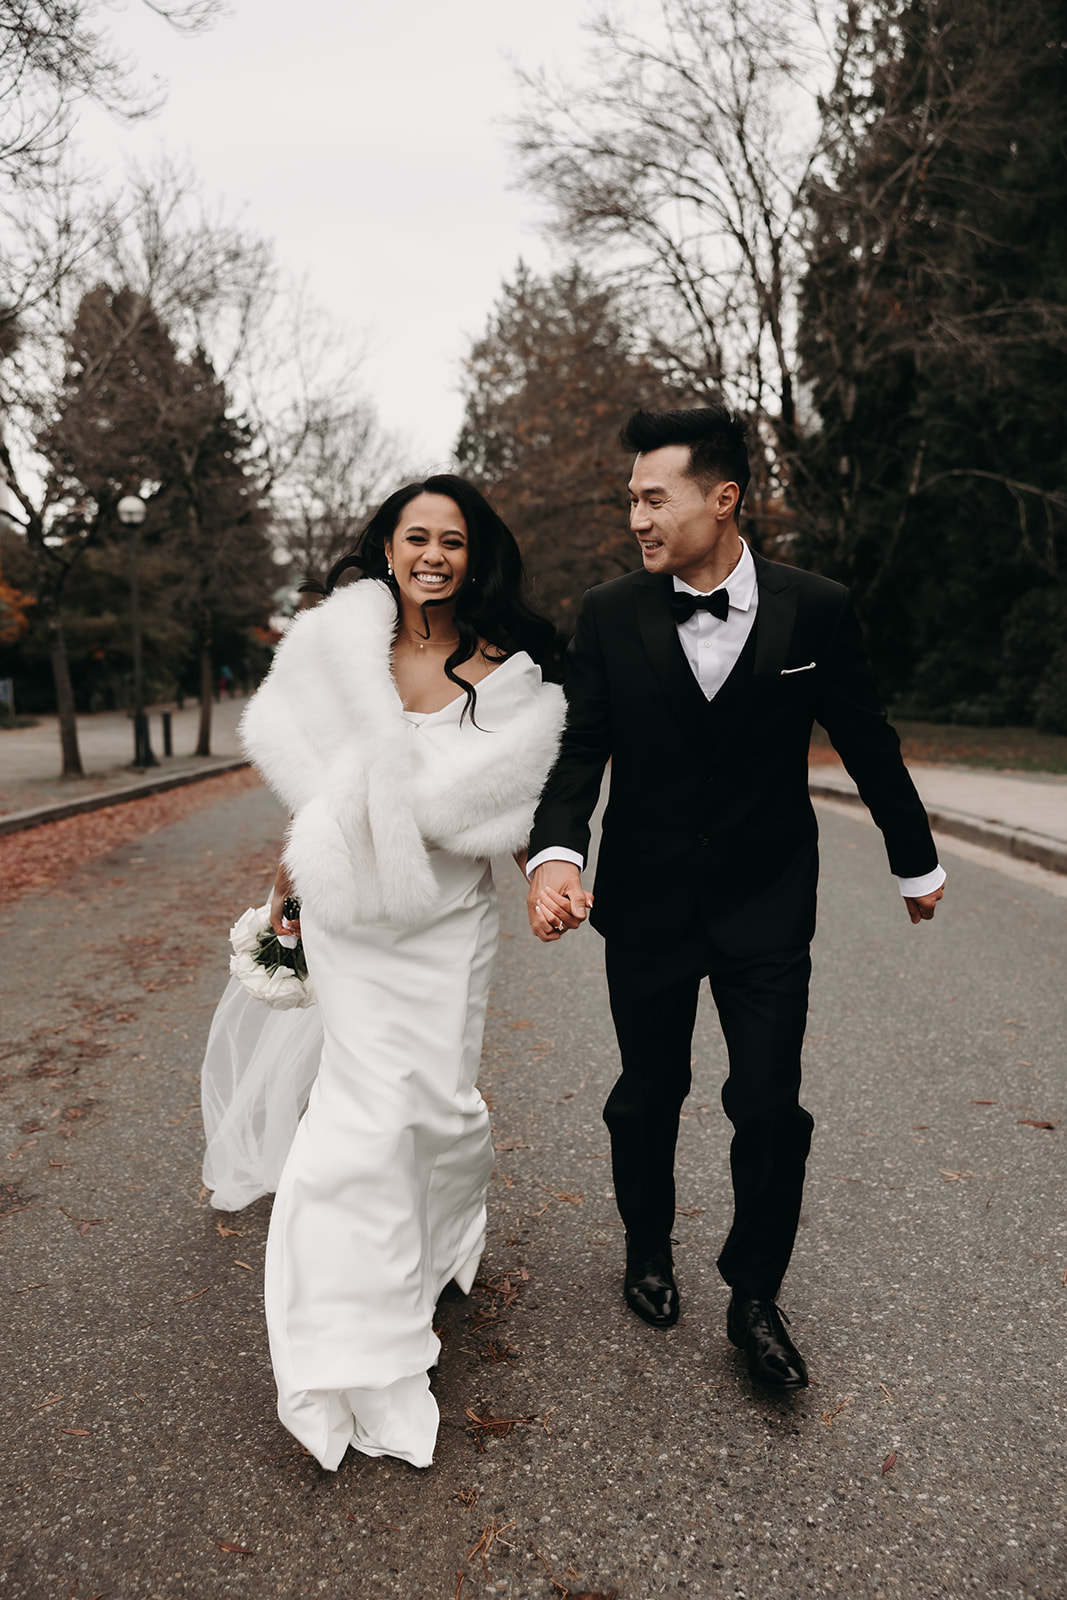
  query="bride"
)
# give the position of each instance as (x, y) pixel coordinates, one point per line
(406, 727)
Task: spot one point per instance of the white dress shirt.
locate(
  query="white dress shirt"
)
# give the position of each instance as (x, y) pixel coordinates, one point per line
(712, 649)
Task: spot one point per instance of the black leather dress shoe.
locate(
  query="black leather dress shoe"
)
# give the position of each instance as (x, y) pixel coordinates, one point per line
(649, 1285)
(755, 1326)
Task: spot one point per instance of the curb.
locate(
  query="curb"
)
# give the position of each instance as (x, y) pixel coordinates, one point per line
(16, 821)
(1038, 848)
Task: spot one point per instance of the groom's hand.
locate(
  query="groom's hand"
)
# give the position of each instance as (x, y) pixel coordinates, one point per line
(556, 900)
(922, 907)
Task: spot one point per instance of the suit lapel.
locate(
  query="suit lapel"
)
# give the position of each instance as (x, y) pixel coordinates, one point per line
(775, 616)
(660, 638)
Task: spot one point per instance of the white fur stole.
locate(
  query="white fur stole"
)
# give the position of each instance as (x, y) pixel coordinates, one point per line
(327, 732)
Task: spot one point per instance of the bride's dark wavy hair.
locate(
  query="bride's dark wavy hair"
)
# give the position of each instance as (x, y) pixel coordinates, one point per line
(491, 604)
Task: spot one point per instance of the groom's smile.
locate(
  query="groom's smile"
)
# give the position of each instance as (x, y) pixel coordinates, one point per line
(683, 527)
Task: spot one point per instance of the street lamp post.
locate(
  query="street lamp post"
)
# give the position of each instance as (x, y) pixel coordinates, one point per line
(131, 511)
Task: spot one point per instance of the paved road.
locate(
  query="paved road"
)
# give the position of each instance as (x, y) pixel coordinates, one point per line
(143, 1457)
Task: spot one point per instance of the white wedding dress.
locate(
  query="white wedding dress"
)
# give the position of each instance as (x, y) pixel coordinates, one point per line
(381, 1196)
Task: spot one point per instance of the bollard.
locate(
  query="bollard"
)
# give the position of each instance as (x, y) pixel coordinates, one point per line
(167, 750)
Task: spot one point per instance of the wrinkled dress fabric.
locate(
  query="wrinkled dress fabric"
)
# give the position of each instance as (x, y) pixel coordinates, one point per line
(380, 1198)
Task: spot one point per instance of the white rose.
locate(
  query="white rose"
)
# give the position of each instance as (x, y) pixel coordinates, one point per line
(284, 990)
(244, 935)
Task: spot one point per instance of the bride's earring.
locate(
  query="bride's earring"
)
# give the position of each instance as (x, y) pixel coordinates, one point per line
(389, 564)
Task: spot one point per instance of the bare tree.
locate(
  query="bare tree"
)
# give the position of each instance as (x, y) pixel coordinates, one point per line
(46, 249)
(680, 163)
(344, 466)
(326, 459)
(199, 276)
(53, 54)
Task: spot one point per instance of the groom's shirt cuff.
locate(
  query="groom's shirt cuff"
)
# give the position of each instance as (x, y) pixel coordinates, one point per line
(915, 888)
(555, 853)
(911, 888)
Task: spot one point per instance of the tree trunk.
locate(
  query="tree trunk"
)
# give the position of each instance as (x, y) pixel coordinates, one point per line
(207, 694)
(68, 722)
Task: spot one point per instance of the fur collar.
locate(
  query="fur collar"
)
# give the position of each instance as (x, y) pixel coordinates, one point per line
(328, 733)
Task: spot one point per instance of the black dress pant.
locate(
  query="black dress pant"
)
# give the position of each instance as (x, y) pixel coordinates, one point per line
(762, 1004)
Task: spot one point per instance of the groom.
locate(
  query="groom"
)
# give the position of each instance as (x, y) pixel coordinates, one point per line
(699, 678)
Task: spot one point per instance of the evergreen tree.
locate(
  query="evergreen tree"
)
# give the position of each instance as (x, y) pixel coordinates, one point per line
(136, 415)
(932, 338)
(548, 386)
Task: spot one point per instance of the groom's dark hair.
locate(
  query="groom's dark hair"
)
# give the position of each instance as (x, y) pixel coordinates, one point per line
(714, 434)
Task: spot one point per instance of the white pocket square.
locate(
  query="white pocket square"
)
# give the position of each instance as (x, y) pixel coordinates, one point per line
(786, 670)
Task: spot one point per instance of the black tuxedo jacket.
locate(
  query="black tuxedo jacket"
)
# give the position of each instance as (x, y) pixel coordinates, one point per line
(709, 821)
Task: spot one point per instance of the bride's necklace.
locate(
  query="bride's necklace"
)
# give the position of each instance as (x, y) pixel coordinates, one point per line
(418, 640)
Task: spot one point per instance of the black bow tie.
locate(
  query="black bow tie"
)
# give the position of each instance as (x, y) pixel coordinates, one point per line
(683, 605)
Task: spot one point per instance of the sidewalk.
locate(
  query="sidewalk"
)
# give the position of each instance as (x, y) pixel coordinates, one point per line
(30, 761)
(1023, 814)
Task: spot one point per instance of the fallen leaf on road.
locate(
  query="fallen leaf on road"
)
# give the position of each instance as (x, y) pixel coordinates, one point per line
(984, 1102)
(523, 1022)
(1031, 1122)
(828, 1416)
(38, 858)
(228, 1233)
(54, 1401)
(78, 1433)
(499, 1427)
(570, 1199)
(511, 1144)
(196, 1296)
(83, 1224)
(234, 1549)
(245, 1265)
(889, 1463)
(497, 1350)
(490, 1533)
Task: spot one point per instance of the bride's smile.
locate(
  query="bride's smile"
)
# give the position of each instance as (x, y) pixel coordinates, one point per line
(429, 553)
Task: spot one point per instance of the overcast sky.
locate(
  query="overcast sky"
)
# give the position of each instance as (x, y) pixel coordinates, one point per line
(366, 140)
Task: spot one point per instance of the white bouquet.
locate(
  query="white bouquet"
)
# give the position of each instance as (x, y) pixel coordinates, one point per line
(271, 968)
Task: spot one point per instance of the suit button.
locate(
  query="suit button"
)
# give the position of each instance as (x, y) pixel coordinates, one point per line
(702, 841)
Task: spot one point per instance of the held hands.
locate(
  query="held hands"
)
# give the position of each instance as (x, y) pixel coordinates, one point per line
(922, 908)
(556, 901)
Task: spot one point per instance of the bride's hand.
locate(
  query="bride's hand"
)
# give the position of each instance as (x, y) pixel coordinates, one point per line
(283, 888)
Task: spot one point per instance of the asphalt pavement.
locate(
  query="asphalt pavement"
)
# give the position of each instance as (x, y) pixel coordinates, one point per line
(580, 1451)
